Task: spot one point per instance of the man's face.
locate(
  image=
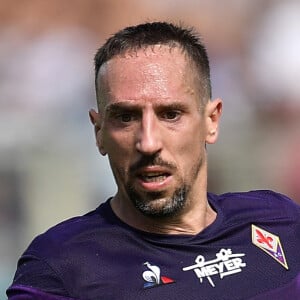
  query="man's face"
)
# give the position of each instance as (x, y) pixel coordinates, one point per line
(153, 128)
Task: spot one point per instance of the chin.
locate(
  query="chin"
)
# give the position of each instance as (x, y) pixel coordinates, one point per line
(157, 205)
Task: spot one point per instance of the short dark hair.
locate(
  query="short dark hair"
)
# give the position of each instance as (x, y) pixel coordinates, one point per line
(162, 33)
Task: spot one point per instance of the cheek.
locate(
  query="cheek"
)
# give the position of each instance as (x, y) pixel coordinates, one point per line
(119, 147)
(99, 142)
(192, 138)
(120, 142)
(190, 149)
(119, 155)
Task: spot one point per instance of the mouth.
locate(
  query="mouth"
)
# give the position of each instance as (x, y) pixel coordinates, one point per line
(154, 178)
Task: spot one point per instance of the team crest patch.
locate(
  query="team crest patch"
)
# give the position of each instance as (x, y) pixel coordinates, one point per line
(270, 243)
(153, 278)
(225, 264)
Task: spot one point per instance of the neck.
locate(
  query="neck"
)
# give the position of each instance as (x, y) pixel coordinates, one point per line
(191, 220)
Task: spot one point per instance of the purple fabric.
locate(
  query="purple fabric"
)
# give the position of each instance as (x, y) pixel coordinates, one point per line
(290, 291)
(97, 256)
(19, 292)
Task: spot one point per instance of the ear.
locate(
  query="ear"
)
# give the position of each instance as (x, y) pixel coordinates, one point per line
(213, 114)
(95, 119)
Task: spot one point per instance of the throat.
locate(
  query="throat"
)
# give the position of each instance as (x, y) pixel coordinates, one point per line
(190, 222)
(186, 225)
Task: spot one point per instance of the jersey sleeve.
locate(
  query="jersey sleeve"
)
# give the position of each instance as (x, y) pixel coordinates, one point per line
(35, 279)
(19, 292)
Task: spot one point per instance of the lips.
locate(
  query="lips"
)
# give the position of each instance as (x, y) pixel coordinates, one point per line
(154, 178)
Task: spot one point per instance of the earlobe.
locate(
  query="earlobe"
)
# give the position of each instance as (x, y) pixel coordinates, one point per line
(96, 121)
(214, 112)
(94, 116)
(102, 151)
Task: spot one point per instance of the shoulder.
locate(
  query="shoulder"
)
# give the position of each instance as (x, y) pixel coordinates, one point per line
(258, 204)
(70, 231)
(67, 248)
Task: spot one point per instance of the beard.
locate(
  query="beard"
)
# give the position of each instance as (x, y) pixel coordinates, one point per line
(156, 205)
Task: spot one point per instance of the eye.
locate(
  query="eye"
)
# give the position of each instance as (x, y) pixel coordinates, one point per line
(171, 115)
(125, 117)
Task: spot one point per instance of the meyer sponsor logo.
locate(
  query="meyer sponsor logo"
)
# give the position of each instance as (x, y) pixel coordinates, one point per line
(225, 264)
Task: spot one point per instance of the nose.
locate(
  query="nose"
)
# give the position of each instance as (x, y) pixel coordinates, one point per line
(149, 137)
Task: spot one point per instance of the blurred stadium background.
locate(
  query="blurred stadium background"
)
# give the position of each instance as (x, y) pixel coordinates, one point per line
(49, 166)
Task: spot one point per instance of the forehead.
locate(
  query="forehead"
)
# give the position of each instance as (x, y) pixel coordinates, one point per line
(157, 52)
(156, 71)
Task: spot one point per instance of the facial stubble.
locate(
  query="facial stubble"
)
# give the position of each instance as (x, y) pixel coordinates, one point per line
(157, 204)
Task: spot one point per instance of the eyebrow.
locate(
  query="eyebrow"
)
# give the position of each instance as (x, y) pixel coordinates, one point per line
(119, 106)
(128, 105)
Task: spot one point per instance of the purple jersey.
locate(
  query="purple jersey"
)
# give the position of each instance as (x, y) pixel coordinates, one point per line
(251, 251)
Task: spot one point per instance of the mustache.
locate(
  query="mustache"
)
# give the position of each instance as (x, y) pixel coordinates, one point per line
(146, 161)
